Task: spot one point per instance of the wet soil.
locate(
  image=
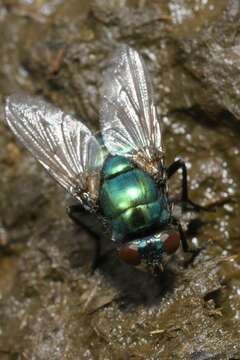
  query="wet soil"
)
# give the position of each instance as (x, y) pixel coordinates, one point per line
(51, 306)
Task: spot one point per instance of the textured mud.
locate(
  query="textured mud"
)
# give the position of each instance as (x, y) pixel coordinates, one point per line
(51, 307)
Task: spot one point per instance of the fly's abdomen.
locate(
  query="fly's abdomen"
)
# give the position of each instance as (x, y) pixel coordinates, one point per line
(129, 197)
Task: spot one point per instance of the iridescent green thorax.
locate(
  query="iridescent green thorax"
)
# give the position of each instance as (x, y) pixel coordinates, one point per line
(130, 198)
(116, 165)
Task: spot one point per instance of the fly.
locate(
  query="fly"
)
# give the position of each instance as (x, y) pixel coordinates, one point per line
(123, 183)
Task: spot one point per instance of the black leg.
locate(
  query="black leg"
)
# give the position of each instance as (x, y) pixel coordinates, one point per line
(86, 220)
(183, 237)
(185, 246)
(187, 204)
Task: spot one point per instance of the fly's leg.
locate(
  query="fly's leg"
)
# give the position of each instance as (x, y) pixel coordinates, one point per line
(185, 246)
(187, 204)
(183, 238)
(83, 218)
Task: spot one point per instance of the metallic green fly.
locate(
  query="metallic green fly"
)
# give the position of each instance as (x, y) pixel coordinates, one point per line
(120, 180)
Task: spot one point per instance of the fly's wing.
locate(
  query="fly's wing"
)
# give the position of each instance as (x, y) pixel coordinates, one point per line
(64, 146)
(129, 122)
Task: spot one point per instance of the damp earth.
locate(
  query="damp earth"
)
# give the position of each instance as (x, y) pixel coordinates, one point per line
(51, 306)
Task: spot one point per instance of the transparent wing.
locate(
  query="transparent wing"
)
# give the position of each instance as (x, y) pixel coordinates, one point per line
(128, 115)
(64, 146)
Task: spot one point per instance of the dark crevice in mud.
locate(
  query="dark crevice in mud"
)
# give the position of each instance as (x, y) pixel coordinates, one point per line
(214, 296)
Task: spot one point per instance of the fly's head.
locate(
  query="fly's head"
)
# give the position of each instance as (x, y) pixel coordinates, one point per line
(151, 253)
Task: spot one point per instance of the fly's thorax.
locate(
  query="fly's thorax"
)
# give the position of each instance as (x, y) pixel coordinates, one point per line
(115, 165)
(140, 218)
(151, 253)
(130, 198)
(124, 187)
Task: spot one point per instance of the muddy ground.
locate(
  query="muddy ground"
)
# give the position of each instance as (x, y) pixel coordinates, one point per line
(51, 306)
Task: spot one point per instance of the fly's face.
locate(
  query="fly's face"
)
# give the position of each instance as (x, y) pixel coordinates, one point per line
(151, 253)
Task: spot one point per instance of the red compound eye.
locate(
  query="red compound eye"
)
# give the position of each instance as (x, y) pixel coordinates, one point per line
(129, 254)
(172, 242)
